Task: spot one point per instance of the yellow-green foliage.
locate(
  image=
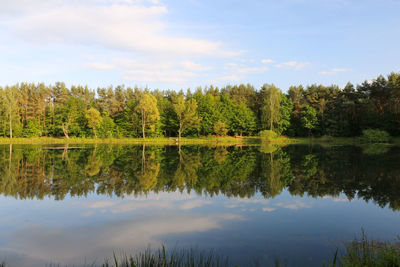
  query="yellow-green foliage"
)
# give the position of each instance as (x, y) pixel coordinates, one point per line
(375, 136)
(268, 135)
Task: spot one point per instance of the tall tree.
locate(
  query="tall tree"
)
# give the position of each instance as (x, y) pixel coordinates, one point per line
(309, 118)
(187, 115)
(148, 110)
(94, 118)
(10, 100)
(270, 106)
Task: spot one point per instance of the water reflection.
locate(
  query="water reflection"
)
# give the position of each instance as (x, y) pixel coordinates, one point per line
(36, 172)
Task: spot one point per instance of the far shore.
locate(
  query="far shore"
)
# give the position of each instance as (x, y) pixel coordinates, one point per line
(210, 140)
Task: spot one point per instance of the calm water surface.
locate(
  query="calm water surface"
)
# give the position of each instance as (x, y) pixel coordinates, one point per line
(78, 204)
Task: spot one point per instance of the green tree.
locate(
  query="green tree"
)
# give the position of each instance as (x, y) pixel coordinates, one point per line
(94, 119)
(243, 120)
(148, 111)
(220, 128)
(68, 116)
(286, 111)
(10, 98)
(309, 118)
(270, 106)
(186, 112)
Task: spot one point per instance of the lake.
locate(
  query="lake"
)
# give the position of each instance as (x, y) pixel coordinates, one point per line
(76, 204)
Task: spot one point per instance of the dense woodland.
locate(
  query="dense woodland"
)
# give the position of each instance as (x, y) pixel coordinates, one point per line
(34, 110)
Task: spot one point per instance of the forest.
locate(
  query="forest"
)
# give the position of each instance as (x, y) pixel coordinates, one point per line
(36, 110)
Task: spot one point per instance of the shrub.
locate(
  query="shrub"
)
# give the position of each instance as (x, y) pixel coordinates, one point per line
(32, 129)
(375, 136)
(220, 128)
(268, 135)
(375, 149)
(106, 128)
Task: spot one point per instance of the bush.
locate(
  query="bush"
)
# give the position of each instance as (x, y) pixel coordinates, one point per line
(106, 128)
(375, 136)
(220, 128)
(32, 129)
(375, 149)
(268, 135)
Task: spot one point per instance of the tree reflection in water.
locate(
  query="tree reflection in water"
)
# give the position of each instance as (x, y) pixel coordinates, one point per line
(35, 172)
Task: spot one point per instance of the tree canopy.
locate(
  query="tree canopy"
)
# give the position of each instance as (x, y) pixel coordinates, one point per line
(34, 110)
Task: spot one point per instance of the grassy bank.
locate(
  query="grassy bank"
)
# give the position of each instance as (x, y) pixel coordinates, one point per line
(212, 140)
(152, 140)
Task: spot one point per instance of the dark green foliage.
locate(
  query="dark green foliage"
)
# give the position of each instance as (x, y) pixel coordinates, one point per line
(375, 136)
(309, 118)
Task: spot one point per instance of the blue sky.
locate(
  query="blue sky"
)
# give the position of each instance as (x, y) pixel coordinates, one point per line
(180, 44)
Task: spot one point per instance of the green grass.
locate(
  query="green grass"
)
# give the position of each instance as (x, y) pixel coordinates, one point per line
(150, 140)
(176, 258)
(326, 140)
(210, 140)
(362, 252)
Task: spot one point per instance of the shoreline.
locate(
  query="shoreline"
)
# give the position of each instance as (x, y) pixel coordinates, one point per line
(226, 140)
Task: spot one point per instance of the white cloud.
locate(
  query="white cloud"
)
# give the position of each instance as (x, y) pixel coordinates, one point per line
(188, 205)
(72, 245)
(165, 76)
(100, 66)
(337, 199)
(99, 204)
(267, 61)
(189, 65)
(121, 25)
(268, 209)
(334, 71)
(294, 205)
(237, 72)
(293, 65)
(251, 69)
(140, 205)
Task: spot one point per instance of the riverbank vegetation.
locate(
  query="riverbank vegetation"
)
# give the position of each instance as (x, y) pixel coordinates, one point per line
(366, 252)
(37, 110)
(207, 140)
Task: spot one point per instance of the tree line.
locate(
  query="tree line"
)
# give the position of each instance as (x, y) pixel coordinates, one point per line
(34, 110)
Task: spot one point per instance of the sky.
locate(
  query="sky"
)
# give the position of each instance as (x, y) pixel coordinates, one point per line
(189, 43)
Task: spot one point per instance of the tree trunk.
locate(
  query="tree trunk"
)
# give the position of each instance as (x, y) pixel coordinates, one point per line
(272, 115)
(11, 135)
(143, 159)
(10, 158)
(179, 135)
(143, 126)
(65, 130)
